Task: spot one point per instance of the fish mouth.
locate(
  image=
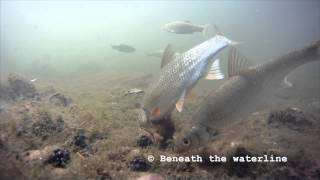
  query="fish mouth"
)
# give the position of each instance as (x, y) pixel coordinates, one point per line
(143, 115)
(146, 119)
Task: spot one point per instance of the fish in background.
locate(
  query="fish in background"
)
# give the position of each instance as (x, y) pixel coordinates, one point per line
(123, 48)
(244, 84)
(133, 91)
(186, 27)
(179, 74)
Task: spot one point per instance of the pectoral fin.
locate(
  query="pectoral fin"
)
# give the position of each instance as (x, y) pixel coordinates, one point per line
(215, 71)
(168, 55)
(155, 111)
(286, 83)
(237, 63)
(179, 103)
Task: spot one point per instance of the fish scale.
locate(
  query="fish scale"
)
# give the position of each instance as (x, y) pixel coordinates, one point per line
(179, 76)
(239, 91)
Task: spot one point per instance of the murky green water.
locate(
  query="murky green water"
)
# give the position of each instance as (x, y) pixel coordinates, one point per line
(59, 39)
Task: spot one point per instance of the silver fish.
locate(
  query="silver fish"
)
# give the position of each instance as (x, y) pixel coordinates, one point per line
(123, 48)
(240, 90)
(33, 80)
(179, 75)
(185, 27)
(134, 91)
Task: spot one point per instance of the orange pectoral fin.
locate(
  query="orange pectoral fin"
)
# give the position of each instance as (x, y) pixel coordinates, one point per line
(155, 111)
(179, 103)
(179, 106)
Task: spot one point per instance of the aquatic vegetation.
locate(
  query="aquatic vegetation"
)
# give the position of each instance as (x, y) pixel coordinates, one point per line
(45, 126)
(59, 99)
(292, 118)
(21, 87)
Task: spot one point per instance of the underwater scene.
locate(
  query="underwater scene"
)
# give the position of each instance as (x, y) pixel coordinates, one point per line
(157, 90)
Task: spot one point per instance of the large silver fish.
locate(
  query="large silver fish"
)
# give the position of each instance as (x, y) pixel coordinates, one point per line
(240, 90)
(178, 76)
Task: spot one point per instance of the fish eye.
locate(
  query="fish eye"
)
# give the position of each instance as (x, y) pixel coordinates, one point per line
(186, 141)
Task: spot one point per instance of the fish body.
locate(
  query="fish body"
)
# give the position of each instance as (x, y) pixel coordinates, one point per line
(123, 48)
(179, 76)
(33, 80)
(134, 91)
(238, 91)
(185, 27)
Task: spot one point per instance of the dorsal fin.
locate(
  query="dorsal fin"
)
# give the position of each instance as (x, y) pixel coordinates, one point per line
(217, 29)
(237, 63)
(168, 55)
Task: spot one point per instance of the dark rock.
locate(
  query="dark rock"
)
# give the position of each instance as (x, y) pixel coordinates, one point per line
(292, 118)
(139, 163)
(144, 141)
(184, 167)
(103, 175)
(282, 173)
(80, 140)
(100, 177)
(240, 169)
(97, 136)
(316, 174)
(6, 93)
(59, 99)
(47, 91)
(59, 158)
(21, 87)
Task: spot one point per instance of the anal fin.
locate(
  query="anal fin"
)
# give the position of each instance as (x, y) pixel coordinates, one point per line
(286, 83)
(215, 71)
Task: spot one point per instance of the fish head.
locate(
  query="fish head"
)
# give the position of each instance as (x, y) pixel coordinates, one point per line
(191, 139)
(223, 39)
(155, 106)
(168, 28)
(150, 116)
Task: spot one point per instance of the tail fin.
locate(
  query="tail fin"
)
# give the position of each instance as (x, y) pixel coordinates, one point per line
(219, 32)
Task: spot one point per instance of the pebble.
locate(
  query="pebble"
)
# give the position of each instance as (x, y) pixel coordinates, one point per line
(59, 158)
(139, 163)
(144, 141)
